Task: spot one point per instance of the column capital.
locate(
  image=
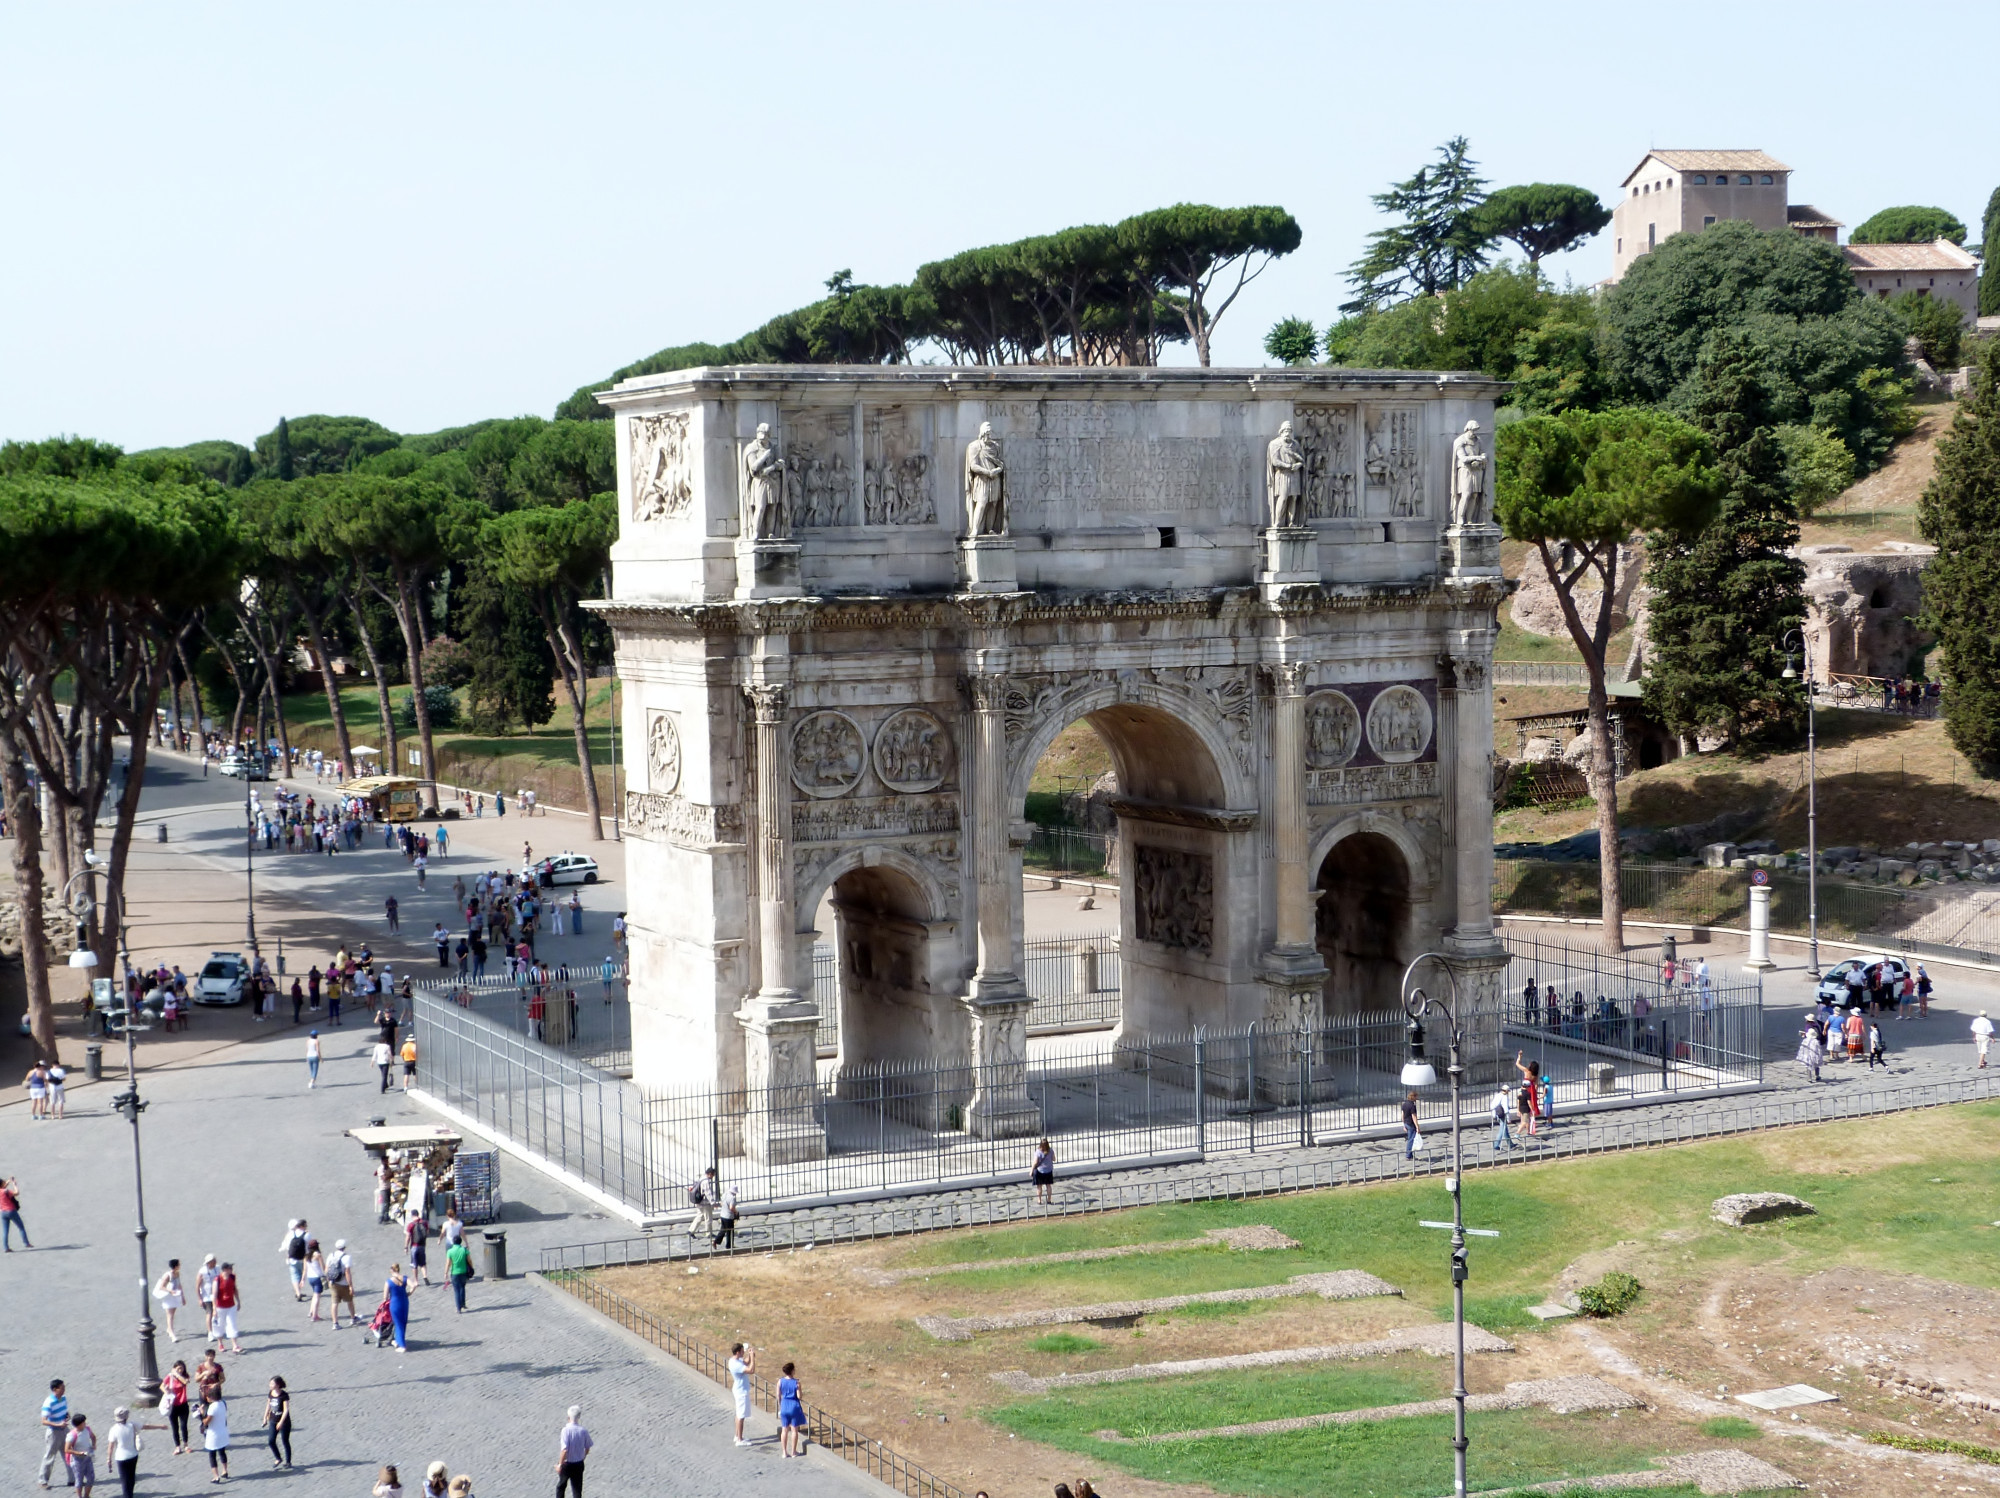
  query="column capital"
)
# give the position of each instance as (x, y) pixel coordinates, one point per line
(1288, 678)
(768, 700)
(985, 690)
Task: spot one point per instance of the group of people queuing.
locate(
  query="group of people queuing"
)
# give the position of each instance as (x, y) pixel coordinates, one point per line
(1919, 699)
(473, 803)
(303, 823)
(1830, 1036)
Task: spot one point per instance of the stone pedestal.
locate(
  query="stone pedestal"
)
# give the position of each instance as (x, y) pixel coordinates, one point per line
(1290, 557)
(986, 564)
(1294, 982)
(1472, 550)
(1479, 963)
(768, 569)
(1760, 929)
(780, 1122)
(1000, 1107)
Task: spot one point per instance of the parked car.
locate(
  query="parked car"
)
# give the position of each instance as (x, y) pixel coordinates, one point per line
(222, 979)
(564, 868)
(1833, 982)
(245, 767)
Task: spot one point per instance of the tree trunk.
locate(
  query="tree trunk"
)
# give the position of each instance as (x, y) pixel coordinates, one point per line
(406, 605)
(269, 664)
(146, 700)
(25, 822)
(381, 685)
(568, 652)
(200, 734)
(316, 644)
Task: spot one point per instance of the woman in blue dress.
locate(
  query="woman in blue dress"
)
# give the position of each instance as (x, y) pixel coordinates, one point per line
(791, 1416)
(397, 1290)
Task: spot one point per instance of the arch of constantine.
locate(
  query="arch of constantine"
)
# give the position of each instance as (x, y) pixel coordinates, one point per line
(854, 605)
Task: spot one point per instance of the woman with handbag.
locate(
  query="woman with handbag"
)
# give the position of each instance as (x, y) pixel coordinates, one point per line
(174, 1405)
(167, 1291)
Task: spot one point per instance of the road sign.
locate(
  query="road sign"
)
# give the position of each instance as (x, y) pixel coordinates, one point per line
(1760, 877)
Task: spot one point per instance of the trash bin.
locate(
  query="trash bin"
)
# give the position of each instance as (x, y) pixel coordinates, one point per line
(93, 1062)
(496, 1256)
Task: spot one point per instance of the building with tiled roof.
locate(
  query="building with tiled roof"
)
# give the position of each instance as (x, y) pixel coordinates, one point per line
(1670, 192)
(1814, 224)
(1940, 269)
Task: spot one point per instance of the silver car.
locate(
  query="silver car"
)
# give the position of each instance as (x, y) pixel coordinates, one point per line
(222, 979)
(1833, 982)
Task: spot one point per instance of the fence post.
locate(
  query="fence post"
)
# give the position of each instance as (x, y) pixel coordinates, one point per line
(1201, 1091)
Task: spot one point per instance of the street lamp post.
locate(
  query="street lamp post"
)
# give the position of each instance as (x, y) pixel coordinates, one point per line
(1418, 1072)
(1812, 787)
(249, 878)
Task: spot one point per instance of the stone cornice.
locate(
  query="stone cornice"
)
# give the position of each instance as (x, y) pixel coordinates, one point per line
(888, 382)
(838, 614)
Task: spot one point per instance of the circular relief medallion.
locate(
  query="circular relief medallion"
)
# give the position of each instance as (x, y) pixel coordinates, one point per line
(1399, 724)
(827, 754)
(912, 751)
(663, 754)
(1333, 730)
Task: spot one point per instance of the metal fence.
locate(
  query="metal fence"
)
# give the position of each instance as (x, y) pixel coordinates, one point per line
(580, 1118)
(1539, 674)
(595, 1027)
(1076, 982)
(880, 1462)
(1964, 922)
(1588, 1135)
(1067, 850)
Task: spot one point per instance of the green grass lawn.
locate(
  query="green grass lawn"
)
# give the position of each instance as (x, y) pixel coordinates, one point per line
(1930, 1209)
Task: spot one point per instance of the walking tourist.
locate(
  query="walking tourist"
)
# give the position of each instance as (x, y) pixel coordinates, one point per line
(437, 1482)
(204, 1293)
(1877, 1056)
(389, 907)
(742, 1368)
(340, 1280)
(1982, 1035)
(382, 1056)
(396, 1290)
(10, 1213)
(293, 1251)
(388, 1484)
(1503, 1137)
(1531, 1088)
(1923, 993)
(168, 1292)
(278, 1421)
(174, 1389)
(1413, 1138)
(80, 1451)
(1811, 1050)
(37, 1083)
(415, 1231)
(215, 1437)
(124, 1442)
(209, 1378)
(704, 1195)
(55, 1427)
(312, 1059)
(1042, 1174)
(725, 1220)
(315, 1277)
(791, 1415)
(409, 1062)
(1855, 1033)
(458, 1265)
(572, 1450)
(228, 1301)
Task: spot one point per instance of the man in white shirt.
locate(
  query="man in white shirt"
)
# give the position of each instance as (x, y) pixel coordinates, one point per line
(124, 1440)
(1982, 1035)
(742, 1366)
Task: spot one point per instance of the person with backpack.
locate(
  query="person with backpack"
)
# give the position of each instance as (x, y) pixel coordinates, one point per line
(340, 1280)
(1503, 1137)
(294, 1250)
(703, 1196)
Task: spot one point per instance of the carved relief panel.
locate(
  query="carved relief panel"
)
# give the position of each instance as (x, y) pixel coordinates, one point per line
(912, 751)
(1327, 435)
(1333, 730)
(827, 754)
(662, 466)
(1394, 461)
(663, 753)
(819, 466)
(1399, 725)
(896, 477)
(1174, 897)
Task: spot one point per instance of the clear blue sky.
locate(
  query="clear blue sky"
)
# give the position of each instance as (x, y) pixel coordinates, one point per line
(432, 213)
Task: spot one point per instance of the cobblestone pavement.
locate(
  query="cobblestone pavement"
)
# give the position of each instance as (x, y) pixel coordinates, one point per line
(235, 1146)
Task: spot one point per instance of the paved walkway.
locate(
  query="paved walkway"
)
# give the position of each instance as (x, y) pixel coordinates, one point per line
(235, 1145)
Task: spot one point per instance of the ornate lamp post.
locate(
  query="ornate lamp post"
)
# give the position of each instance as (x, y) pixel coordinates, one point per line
(249, 878)
(1793, 636)
(1418, 1072)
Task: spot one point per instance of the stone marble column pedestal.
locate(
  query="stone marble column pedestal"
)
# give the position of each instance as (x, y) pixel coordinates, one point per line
(1294, 982)
(768, 569)
(780, 1121)
(986, 564)
(1000, 1107)
(1290, 557)
(1479, 963)
(1472, 550)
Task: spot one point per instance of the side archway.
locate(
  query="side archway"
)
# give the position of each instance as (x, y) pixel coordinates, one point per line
(896, 974)
(1367, 886)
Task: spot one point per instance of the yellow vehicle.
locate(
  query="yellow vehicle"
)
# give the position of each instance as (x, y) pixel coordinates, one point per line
(394, 798)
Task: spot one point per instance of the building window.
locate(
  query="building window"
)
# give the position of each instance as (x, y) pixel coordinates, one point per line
(1744, 180)
(1707, 219)
(1765, 179)
(1701, 179)
(1670, 184)
(1621, 244)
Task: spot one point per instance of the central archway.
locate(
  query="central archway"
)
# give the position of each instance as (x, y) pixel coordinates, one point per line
(1362, 921)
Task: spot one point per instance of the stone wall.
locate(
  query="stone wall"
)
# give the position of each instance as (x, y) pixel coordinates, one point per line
(1861, 609)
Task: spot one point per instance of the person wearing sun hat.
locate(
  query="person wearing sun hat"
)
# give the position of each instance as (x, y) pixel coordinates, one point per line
(1982, 1035)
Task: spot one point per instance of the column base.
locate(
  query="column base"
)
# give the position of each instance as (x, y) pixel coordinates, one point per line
(1479, 962)
(1000, 1107)
(1290, 557)
(986, 564)
(780, 1120)
(1294, 980)
(768, 569)
(1472, 550)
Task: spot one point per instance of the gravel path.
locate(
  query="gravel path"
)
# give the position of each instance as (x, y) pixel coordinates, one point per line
(1435, 1340)
(1338, 1284)
(1711, 1471)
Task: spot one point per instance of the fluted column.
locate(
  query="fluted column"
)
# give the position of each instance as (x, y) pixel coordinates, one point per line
(1472, 800)
(780, 1120)
(1288, 805)
(998, 1004)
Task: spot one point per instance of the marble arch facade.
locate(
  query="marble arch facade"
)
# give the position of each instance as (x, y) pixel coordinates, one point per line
(852, 605)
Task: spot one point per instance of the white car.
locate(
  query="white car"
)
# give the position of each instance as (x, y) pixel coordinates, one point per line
(564, 868)
(221, 979)
(249, 768)
(1833, 982)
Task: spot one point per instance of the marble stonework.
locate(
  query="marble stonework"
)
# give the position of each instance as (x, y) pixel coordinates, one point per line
(854, 605)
